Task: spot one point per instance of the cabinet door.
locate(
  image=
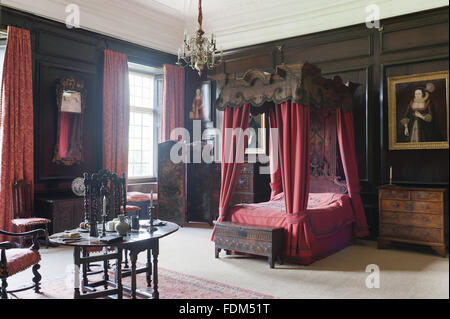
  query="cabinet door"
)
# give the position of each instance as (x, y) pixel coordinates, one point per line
(78, 212)
(62, 216)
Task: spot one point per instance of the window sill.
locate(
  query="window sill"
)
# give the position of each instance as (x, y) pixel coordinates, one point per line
(139, 181)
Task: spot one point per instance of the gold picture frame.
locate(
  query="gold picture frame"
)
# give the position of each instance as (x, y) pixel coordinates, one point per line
(419, 111)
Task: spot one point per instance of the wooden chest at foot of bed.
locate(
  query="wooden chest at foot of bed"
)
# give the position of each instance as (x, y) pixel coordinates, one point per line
(253, 239)
(415, 216)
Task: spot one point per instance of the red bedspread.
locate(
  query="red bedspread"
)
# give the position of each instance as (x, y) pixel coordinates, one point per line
(327, 213)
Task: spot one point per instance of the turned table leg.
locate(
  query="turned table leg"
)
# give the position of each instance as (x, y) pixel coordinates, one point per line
(76, 259)
(119, 274)
(133, 259)
(149, 268)
(155, 252)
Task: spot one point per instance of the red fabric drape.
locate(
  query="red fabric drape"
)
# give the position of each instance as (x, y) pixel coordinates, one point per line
(233, 149)
(346, 136)
(116, 112)
(173, 100)
(293, 126)
(64, 135)
(16, 126)
(275, 175)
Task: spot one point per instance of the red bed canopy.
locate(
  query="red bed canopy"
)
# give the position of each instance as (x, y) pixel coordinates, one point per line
(288, 96)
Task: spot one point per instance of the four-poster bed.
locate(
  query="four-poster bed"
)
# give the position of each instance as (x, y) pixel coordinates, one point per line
(314, 175)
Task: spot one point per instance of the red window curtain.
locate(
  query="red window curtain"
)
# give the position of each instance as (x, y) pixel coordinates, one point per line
(293, 124)
(233, 148)
(275, 175)
(346, 136)
(173, 100)
(116, 112)
(16, 126)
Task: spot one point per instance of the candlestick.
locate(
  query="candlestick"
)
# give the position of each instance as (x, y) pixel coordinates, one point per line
(104, 205)
(390, 175)
(151, 199)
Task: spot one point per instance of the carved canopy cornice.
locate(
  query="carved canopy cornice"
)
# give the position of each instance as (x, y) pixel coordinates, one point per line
(301, 83)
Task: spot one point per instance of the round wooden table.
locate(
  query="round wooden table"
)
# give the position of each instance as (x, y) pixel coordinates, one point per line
(134, 243)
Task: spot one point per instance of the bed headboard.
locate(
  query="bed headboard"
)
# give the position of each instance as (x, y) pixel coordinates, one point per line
(326, 167)
(325, 184)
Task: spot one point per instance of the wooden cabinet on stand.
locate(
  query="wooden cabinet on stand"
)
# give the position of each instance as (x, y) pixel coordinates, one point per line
(65, 211)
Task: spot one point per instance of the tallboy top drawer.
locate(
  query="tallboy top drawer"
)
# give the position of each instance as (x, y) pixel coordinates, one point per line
(427, 196)
(394, 194)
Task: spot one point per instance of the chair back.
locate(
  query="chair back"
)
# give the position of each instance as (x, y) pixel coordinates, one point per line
(22, 203)
(99, 185)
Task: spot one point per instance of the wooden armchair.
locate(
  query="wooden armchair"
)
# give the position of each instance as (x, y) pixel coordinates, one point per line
(14, 260)
(23, 209)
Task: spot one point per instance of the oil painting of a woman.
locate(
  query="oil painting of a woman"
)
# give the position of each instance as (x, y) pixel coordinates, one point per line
(419, 120)
(419, 111)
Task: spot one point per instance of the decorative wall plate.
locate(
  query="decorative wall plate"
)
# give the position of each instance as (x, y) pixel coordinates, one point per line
(78, 186)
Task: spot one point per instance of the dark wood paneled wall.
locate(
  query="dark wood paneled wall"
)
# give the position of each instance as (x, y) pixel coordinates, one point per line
(410, 44)
(60, 52)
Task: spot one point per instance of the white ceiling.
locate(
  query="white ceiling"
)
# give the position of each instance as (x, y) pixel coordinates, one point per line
(160, 24)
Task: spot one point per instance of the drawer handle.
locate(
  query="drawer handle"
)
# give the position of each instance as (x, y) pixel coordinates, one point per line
(425, 219)
(409, 215)
(409, 207)
(402, 195)
(395, 205)
(426, 207)
(395, 216)
(433, 195)
(426, 234)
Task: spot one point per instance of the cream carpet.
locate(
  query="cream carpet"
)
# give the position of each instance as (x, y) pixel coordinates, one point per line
(404, 273)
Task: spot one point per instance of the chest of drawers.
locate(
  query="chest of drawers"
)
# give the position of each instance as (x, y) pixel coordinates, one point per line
(414, 215)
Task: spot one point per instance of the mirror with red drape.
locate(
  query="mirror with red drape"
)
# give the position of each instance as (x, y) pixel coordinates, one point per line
(70, 100)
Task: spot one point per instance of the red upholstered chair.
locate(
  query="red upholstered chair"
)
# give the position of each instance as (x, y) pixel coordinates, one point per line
(14, 260)
(23, 210)
(138, 197)
(130, 208)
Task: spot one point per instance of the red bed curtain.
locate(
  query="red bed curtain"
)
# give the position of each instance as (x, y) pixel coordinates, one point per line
(16, 120)
(173, 100)
(275, 175)
(346, 136)
(233, 148)
(116, 112)
(293, 123)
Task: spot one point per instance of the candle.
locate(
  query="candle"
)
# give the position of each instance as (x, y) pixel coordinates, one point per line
(104, 205)
(390, 175)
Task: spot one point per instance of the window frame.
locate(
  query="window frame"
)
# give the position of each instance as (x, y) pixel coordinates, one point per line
(141, 70)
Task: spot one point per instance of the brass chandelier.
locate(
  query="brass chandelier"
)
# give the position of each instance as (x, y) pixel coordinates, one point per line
(198, 51)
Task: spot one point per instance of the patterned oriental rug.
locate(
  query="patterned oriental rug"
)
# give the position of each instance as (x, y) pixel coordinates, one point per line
(172, 285)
